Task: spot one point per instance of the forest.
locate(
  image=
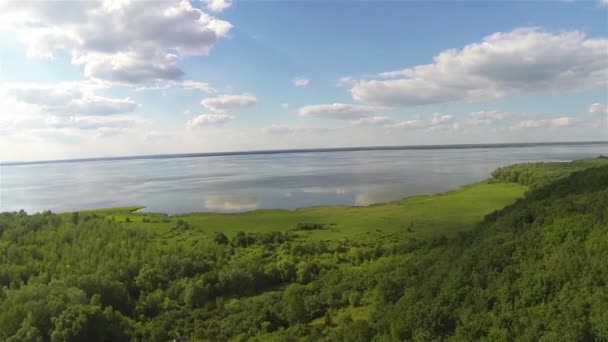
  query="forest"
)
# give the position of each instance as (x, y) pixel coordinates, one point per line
(485, 262)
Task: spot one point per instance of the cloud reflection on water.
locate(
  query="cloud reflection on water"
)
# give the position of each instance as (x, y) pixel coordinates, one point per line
(321, 190)
(231, 203)
(244, 183)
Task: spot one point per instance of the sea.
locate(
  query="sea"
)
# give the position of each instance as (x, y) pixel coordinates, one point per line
(252, 180)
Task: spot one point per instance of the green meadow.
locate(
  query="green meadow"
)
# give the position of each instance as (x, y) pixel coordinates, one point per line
(420, 216)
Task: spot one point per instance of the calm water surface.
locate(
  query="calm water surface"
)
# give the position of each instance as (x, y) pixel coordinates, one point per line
(248, 182)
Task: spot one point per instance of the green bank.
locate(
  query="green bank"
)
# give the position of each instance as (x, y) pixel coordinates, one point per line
(447, 213)
(522, 256)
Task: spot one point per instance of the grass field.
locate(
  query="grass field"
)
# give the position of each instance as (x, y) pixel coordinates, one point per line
(419, 216)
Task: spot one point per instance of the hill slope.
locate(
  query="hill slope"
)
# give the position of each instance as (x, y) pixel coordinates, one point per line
(536, 270)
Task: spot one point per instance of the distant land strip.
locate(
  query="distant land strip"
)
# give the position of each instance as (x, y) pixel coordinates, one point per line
(308, 150)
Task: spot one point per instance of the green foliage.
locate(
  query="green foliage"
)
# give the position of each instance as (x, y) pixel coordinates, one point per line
(295, 309)
(428, 268)
(90, 323)
(310, 226)
(221, 239)
(536, 175)
(536, 270)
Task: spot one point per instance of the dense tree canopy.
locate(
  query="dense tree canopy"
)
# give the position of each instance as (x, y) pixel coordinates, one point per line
(535, 270)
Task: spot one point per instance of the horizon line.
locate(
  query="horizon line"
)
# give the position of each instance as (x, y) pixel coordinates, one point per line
(304, 150)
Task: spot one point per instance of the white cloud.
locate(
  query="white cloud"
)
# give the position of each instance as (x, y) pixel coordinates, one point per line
(444, 127)
(409, 124)
(226, 103)
(285, 105)
(52, 95)
(551, 123)
(346, 81)
(48, 125)
(279, 129)
(193, 85)
(186, 85)
(487, 117)
(217, 5)
(375, 120)
(67, 98)
(340, 111)
(301, 82)
(118, 41)
(438, 119)
(93, 122)
(276, 129)
(208, 120)
(523, 60)
(97, 105)
(598, 108)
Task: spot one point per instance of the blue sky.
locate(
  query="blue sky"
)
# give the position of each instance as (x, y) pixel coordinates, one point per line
(87, 79)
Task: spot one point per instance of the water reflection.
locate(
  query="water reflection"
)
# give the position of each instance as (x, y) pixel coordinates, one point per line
(320, 190)
(231, 204)
(285, 181)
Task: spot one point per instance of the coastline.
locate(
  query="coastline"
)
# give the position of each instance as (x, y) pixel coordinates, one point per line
(137, 209)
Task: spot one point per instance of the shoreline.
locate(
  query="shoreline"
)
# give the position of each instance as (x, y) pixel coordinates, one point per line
(136, 210)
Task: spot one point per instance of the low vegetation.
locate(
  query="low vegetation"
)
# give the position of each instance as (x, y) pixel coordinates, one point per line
(424, 268)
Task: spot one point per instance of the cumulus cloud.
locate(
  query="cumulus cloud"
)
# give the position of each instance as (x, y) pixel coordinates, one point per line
(598, 108)
(208, 120)
(340, 111)
(68, 98)
(100, 126)
(185, 84)
(346, 81)
(409, 124)
(487, 117)
(276, 129)
(375, 120)
(117, 41)
(217, 5)
(98, 105)
(550, 123)
(526, 60)
(438, 119)
(435, 122)
(227, 103)
(301, 82)
(93, 122)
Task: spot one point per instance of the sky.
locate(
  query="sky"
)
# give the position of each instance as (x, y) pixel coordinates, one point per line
(118, 77)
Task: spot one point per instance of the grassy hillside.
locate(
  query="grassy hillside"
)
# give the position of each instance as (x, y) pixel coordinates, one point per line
(534, 271)
(424, 216)
(536, 175)
(425, 268)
